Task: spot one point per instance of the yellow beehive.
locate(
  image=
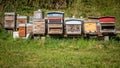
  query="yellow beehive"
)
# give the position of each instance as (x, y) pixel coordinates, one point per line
(90, 27)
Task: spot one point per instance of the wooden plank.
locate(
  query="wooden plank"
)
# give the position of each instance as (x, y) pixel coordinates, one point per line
(55, 31)
(54, 25)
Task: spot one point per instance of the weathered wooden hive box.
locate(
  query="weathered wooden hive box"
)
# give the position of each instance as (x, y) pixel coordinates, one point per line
(39, 27)
(73, 26)
(107, 25)
(29, 28)
(38, 15)
(21, 20)
(22, 30)
(39, 23)
(91, 26)
(55, 22)
(9, 20)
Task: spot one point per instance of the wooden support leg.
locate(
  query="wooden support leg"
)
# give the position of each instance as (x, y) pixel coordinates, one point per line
(106, 38)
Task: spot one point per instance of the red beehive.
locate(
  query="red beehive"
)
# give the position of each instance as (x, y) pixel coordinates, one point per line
(107, 25)
(107, 19)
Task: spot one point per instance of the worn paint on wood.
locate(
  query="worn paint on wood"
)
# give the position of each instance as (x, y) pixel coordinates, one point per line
(107, 19)
(38, 15)
(39, 28)
(9, 20)
(54, 25)
(22, 30)
(29, 28)
(90, 27)
(73, 28)
(54, 31)
(21, 20)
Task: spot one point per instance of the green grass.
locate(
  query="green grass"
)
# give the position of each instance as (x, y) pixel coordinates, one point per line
(58, 53)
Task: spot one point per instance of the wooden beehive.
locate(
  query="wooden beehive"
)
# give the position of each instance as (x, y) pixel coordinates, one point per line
(39, 27)
(55, 22)
(21, 20)
(107, 24)
(38, 15)
(73, 26)
(9, 20)
(22, 30)
(90, 27)
(29, 28)
(54, 25)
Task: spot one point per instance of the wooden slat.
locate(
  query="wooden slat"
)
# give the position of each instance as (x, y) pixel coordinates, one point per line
(54, 25)
(54, 31)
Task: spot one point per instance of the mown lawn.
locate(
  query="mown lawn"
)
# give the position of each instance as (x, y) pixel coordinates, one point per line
(59, 53)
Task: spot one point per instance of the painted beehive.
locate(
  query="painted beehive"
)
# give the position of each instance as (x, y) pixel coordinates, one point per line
(38, 15)
(73, 26)
(9, 20)
(39, 27)
(107, 24)
(22, 30)
(21, 20)
(90, 27)
(55, 22)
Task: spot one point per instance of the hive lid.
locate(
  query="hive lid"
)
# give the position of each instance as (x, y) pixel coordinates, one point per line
(9, 13)
(73, 21)
(21, 16)
(28, 24)
(21, 25)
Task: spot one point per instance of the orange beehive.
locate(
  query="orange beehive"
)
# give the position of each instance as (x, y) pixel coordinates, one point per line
(22, 30)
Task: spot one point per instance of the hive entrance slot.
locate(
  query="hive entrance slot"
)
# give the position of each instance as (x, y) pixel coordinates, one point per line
(108, 27)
